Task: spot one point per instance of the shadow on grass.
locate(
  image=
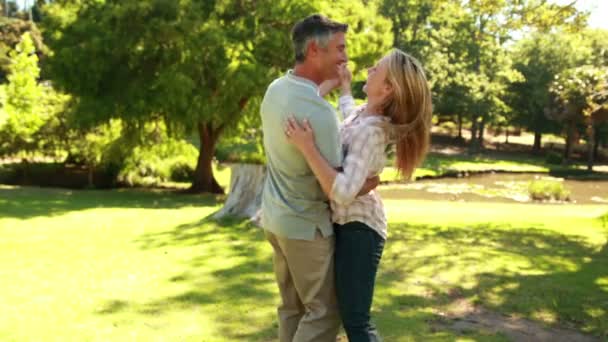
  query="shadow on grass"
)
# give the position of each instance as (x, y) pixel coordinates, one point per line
(28, 202)
(531, 272)
(227, 280)
(551, 278)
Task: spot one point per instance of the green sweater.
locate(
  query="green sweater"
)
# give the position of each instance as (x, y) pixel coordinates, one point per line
(293, 203)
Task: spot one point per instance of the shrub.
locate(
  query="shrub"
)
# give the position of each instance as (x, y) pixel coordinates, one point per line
(449, 126)
(544, 190)
(182, 171)
(553, 158)
(172, 160)
(239, 151)
(604, 220)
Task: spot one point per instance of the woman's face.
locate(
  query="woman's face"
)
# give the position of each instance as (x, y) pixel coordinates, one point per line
(376, 86)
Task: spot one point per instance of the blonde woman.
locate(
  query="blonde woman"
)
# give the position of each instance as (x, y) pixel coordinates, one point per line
(398, 111)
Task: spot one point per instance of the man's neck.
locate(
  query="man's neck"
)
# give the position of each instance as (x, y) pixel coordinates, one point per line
(306, 71)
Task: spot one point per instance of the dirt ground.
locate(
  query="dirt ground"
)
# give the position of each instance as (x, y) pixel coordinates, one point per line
(464, 317)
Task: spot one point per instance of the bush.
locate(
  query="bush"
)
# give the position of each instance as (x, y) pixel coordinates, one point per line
(604, 220)
(239, 151)
(553, 158)
(182, 171)
(7, 174)
(172, 160)
(53, 174)
(448, 127)
(546, 190)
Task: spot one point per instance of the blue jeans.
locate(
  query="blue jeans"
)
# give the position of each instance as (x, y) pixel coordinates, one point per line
(358, 252)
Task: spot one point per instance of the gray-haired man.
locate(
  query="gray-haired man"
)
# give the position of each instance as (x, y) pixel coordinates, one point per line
(295, 211)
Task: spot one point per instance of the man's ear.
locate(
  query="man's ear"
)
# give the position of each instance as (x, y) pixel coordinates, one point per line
(312, 49)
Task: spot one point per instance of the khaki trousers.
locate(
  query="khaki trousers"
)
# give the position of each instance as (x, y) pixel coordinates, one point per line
(305, 274)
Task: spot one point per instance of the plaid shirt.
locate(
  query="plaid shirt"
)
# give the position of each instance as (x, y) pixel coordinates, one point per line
(364, 145)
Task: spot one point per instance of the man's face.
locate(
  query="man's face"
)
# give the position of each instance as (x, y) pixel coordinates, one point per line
(333, 55)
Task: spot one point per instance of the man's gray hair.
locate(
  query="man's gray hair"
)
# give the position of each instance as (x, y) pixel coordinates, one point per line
(316, 28)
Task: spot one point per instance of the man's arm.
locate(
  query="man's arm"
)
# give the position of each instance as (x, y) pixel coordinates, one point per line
(369, 185)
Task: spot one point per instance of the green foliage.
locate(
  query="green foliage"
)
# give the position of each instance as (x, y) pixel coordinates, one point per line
(577, 93)
(546, 190)
(540, 58)
(11, 31)
(369, 34)
(100, 147)
(197, 65)
(463, 45)
(553, 158)
(152, 164)
(597, 42)
(3, 114)
(21, 98)
(54, 138)
(604, 220)
(240, 150)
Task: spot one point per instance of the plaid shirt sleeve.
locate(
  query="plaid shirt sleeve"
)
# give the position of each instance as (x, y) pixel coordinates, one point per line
(366, 145)
(347, 105)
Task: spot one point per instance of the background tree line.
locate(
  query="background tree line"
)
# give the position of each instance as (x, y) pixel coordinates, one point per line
(128, 88)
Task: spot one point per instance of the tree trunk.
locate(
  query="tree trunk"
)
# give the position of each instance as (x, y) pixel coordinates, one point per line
(569, 142)
(245, 196)
(204, 181)
(474, 129)
(538, 136)
(474, 142)
(90, 172)
(506, 134)
(590, 146)
(596, 146)
(459, 126)
(482, 129)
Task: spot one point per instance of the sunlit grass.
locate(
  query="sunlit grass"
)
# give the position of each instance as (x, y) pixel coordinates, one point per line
(437, 164)
(148, 265)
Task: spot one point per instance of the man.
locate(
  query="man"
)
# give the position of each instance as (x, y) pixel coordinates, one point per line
(295, 211)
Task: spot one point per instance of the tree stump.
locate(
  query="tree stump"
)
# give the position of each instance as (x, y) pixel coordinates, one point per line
(245, 195)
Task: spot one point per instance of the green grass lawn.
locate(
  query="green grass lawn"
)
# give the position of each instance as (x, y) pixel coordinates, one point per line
(438, 164)
(151, 266)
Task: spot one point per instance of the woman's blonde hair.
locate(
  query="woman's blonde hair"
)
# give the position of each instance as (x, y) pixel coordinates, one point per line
(410, 109)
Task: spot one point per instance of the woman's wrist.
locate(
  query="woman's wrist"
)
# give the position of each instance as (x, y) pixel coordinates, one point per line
(307, 149)
(345, 90)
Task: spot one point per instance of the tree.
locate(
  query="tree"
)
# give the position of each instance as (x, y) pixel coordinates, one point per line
(411, 23)
(539, 58)
(22, 95)
(9, 9)
(11, 31)
(463, 46)
(195, 64)
(579, 96)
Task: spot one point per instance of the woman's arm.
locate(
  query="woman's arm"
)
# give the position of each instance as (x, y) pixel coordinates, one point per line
(347, 105)
(327, 86)
(302, 137)
(343, 81)
(342, 187)
(366, 146)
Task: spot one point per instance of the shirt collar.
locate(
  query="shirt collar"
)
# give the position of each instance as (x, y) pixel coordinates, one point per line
(302, 81)
(373, 117)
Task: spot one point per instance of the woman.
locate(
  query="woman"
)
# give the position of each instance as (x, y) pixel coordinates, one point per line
(398, 112)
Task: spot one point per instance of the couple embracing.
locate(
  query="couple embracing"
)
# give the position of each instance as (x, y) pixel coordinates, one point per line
(320, 213)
